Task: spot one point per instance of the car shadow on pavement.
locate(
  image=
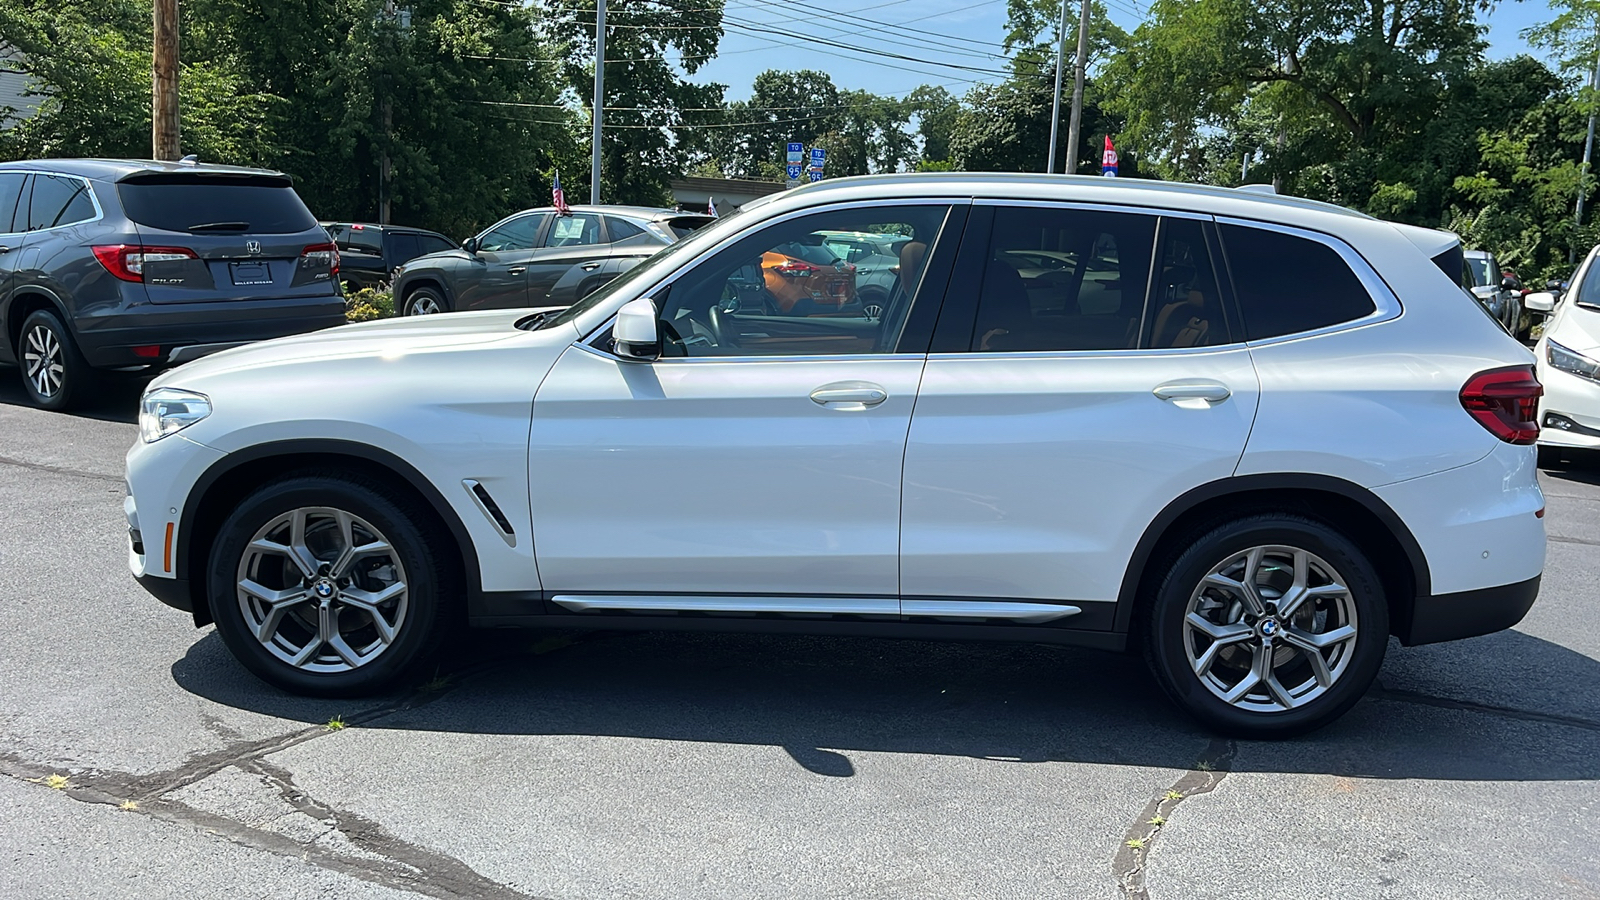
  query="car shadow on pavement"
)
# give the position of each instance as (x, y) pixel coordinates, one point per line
(824, 700)
(115, 397)
(1581, 466)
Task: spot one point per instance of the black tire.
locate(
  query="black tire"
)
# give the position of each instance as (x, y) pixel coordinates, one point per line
(421, 628)
(424, 301)
(1355, 665)
(57, 385)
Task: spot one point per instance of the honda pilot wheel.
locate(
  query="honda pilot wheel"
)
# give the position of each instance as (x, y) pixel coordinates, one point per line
(54, 373)
(1269, 626)
(330, 585)
(425, 302)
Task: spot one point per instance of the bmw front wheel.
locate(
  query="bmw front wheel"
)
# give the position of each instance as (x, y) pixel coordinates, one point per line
(330, 585)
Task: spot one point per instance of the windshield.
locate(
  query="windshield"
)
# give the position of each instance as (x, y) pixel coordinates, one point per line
(1589, 289)
(660, 263)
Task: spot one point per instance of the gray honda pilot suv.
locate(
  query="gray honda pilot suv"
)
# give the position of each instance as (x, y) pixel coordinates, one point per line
(110, 264)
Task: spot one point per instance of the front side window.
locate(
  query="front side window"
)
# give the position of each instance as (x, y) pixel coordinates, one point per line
(520, 233)
(1064, 279)
(783, 291)
(1288, 284)
(59, 200)
(575, 230)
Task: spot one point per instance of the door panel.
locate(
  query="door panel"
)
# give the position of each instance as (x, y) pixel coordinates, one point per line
(720, 475)
(1034, 476)
(493, 280)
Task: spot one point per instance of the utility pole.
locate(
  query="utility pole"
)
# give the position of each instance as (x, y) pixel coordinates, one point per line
(1588, 146)
(164, 81)
(1077, 90)
(385, 164)
(599, 96)
(1055, 101)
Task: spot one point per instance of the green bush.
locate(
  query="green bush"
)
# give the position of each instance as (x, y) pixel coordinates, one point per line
(368, 303)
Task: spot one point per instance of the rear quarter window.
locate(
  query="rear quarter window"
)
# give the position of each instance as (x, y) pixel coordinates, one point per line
(1288, 284)
(223, 205)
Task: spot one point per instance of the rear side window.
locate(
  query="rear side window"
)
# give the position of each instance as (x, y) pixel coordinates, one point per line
(59, 200)
(1186, 308)
(1454, 266)
(621, 229)
(402, 247)
(10, 191)
(427, 243)
(219, 205)
(358, 240)
(1064, 279)
(683, 226)
(1288, 284)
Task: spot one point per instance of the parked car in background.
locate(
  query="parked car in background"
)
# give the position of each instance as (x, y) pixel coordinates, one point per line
(1498, 294)
(1252, 437)
(109, 264)
(1568, 354)
(538, 258)
(369, 254)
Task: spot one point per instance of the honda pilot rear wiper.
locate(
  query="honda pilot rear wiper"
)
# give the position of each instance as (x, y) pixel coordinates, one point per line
(220, 226)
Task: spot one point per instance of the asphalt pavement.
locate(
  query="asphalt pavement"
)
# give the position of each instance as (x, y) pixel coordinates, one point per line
(138, 760)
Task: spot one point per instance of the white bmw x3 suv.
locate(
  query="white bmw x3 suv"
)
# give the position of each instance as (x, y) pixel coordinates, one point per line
(1249, 436)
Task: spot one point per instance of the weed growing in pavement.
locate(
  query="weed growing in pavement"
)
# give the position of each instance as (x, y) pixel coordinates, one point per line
(335, 724)
(1174, 795)
(439, 682)
(1204, 765)
(129, 806)
(1157, 821)
(53, 782)
(1136, 843)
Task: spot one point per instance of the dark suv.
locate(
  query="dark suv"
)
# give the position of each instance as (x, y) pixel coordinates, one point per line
(539, 258)
(109, 264)
(369, 254)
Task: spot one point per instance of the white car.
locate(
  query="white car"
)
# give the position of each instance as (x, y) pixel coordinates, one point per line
(1569, 363)
(1249, 436)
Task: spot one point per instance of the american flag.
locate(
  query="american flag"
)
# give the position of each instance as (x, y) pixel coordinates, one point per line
(559, 197)
(711, 206)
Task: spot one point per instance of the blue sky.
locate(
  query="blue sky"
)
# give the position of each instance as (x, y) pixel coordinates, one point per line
(953, 32)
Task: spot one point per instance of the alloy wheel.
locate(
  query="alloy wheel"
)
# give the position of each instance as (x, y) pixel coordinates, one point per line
(42, 361)
(422, 305)
(322, 590)
(1270, 628)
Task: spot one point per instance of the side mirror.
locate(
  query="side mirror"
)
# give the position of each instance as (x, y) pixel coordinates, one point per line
(635, 335)
(470, 245)
(1484, 291)
(1541, 301)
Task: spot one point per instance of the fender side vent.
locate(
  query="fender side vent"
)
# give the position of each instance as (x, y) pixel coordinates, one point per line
(491, 509)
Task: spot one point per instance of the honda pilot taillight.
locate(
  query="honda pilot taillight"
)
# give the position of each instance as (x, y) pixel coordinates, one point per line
(127, 261)
(1505, 401)
(317, 256)
(794, 268)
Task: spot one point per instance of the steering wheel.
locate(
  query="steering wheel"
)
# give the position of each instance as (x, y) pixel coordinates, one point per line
(722, 330)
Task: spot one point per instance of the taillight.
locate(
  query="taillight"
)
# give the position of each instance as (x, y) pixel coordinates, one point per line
(1505, 401)
(318, 255)
(794, 268)
(127, 261)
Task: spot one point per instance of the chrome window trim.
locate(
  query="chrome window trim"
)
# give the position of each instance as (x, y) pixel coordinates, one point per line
(1386, 305)
(587, 345)
(672, 277)
(1095, 207)
(99, 211)
(1119, 352)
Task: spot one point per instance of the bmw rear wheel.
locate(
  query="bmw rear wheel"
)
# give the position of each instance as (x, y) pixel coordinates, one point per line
(1268, 626)
(329, 585)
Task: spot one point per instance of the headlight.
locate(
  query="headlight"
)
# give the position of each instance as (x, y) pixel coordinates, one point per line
(1571, 361)
(165, 411)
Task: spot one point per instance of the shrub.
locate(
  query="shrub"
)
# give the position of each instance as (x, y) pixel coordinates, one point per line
(368, 303)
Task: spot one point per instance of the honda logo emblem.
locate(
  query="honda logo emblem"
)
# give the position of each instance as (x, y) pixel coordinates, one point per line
(253, 247)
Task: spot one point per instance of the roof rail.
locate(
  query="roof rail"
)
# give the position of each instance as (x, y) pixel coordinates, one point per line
(1258, 188)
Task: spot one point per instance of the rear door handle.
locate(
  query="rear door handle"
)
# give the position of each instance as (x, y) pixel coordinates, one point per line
(1193, 394)
(849, 395)
(5, 249)
(517, 270)
(589, 266)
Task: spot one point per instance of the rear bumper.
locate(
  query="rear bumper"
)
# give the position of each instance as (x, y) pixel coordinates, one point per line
(108, 340)
(1447, 617)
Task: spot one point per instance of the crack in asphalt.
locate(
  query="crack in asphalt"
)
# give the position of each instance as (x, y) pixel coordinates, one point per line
(1558, 539)
(399, 864)
(60, 470)
(1400, 695)
(1129, 863)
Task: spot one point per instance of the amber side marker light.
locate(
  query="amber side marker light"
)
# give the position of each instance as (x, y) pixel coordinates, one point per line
(166, 551)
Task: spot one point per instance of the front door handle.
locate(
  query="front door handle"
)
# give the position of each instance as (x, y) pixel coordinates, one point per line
(517, 270)
(849, 395)
(5, 249)
(589, 266)
(1193, 393)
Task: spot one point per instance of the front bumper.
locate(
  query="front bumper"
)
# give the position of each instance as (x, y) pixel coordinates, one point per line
(1447, 617)
(1569, 411)
(161, 477)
